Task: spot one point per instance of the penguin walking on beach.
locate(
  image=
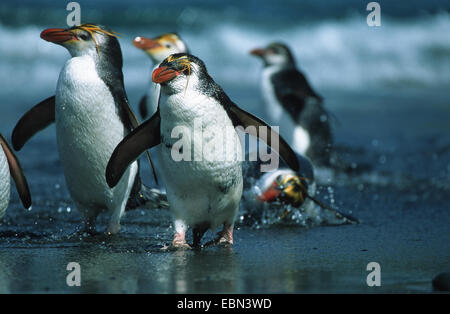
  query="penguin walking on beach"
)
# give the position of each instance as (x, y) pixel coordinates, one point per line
(293, 105)
(202, 169)
(10, 167)
(92, 116)
(157, 49)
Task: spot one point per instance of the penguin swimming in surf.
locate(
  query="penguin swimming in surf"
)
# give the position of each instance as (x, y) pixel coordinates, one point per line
(204, 187)
(283, 184)
(280, 195)
(157, 49)
(10, 167)
(292, 104)
(92, 115)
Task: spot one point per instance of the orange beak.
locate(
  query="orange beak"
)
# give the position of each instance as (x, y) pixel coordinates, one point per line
(163, 74)
(270, 194)
(258, 52)
(145, 43)
(57, 35)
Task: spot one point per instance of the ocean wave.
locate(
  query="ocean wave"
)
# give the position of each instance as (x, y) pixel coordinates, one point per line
(342, 54)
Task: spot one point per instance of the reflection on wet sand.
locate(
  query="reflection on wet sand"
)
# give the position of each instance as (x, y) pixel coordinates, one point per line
(5, 273)
(157, 272)
(204, 271)
(103, 271)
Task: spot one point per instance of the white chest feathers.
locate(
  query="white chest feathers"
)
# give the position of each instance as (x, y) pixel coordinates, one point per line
(153, 95)
(197, 119)
(4, 183)
(88, 129)
(204, 184)
(152, 98)
(273, 109)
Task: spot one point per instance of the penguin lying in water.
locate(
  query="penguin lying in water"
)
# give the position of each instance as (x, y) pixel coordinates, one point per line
(157, 49)
(92, 115)
(283, 184)
(282, 194)
(10, 167)
(203, 191)
(292, 104)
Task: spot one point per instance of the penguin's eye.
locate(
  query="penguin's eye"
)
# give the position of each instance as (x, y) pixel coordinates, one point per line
(278, 178)
(83, 37)
(168, 46)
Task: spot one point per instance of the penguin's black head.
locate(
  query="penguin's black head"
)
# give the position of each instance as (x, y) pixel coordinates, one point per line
(180, 71)
(85, 39)
(161, 47)
(275, 54)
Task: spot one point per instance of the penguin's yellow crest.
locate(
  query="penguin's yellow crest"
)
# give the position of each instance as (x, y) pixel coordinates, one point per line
(184, 61)
(91, 29)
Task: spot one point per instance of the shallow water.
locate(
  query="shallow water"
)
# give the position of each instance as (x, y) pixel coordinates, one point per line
(400, 194)
(387, 87)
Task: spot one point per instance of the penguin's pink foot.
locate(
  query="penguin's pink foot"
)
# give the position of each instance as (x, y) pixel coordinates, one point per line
(178, 243)
(224, 237)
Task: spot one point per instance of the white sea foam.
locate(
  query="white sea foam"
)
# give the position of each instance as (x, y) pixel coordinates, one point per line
(344, 54)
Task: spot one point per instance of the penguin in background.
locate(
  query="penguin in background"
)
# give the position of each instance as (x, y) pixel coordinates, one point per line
(10, 167)
(157, 49)
(203, 191)
(292, 104)
(92, 115)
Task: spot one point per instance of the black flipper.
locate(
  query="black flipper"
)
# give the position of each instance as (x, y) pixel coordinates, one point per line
(143, 110)
(17, 174)
(35, 120)
(135, 123)
(245, 119)
(134, 144)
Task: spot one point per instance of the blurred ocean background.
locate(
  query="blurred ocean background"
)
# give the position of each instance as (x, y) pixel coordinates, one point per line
(330, 39)
(388, 88)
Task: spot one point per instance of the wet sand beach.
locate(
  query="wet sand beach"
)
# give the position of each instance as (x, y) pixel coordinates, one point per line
(401, 199)
(387, 89)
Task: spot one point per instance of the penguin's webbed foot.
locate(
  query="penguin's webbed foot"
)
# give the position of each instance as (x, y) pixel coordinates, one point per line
(224, 237)
(178, 243)
(176, 247)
